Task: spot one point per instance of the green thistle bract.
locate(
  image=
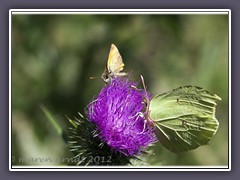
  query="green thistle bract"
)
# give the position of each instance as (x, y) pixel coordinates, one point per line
(88, 149)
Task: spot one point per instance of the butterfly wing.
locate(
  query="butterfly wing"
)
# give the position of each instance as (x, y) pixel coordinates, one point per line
(184, 118)
(115, 63)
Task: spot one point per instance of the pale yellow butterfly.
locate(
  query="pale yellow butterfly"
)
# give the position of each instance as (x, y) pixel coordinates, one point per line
(114, 65)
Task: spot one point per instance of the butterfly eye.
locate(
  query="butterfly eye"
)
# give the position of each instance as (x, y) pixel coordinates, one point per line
(145, 103)
(106, 79)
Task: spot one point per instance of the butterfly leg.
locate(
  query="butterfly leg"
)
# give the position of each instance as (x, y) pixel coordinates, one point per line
(134, 87)
(138, 114)
(144, 125)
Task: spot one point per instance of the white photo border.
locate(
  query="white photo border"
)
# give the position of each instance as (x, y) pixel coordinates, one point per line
(121, 11)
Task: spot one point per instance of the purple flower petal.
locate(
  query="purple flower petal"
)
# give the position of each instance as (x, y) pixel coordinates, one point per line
(118, 114)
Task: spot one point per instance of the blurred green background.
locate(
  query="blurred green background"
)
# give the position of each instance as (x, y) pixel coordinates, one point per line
(53, 57)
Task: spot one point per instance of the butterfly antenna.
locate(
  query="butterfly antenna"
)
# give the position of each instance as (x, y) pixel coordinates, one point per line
(146, 95)
(93, 77)
(143, 84)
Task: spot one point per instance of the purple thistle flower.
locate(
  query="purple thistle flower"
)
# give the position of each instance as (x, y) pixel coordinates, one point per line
(117, 113)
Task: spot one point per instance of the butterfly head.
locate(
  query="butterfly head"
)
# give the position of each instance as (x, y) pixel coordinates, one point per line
(106, 77)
